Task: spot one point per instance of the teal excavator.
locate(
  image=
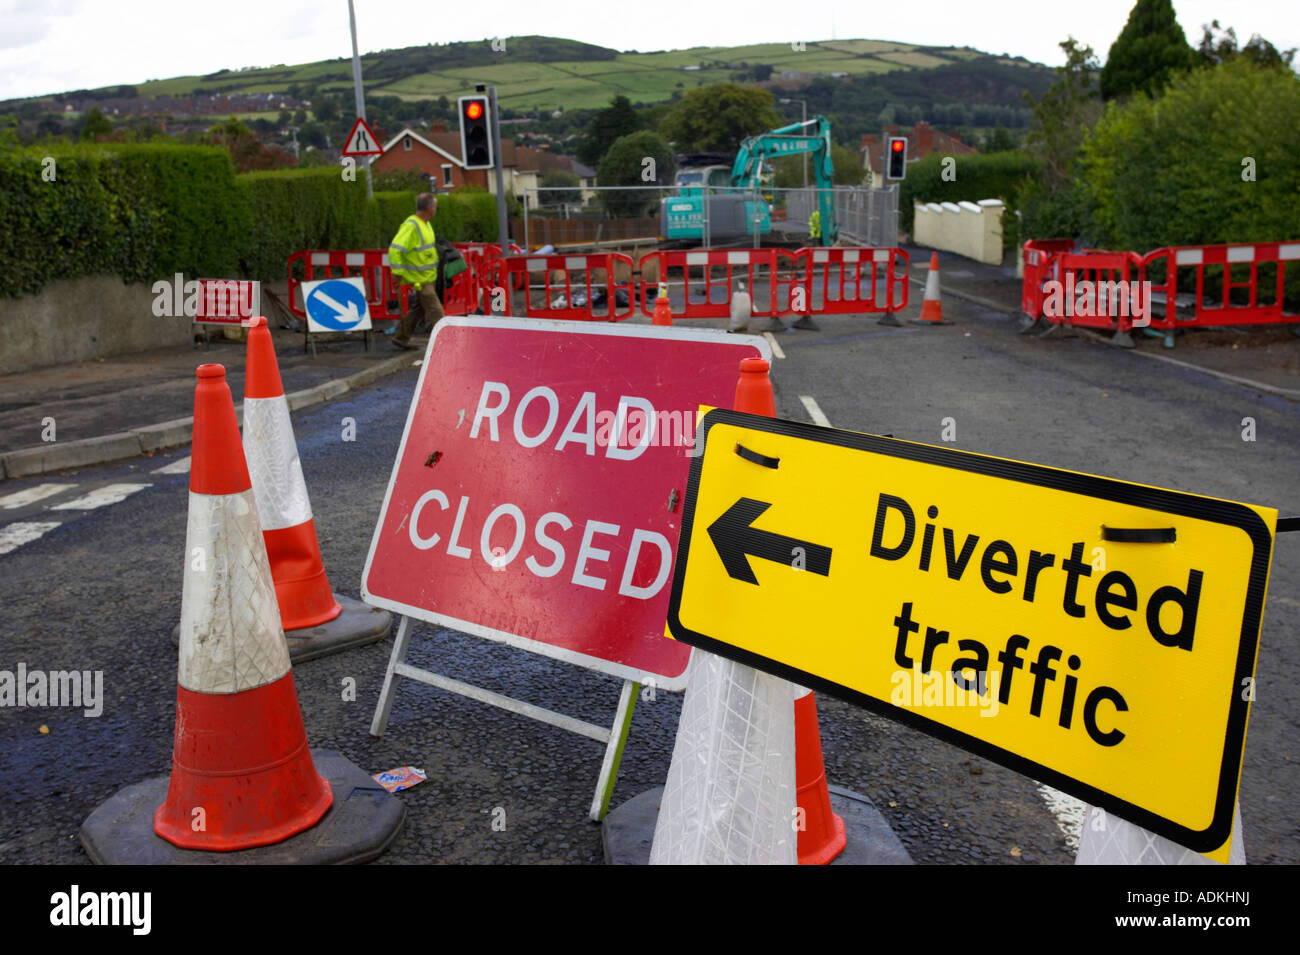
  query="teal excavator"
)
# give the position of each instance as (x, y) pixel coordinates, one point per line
(739, 209)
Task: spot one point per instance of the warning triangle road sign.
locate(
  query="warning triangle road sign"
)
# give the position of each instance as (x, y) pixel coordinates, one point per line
(362, 140)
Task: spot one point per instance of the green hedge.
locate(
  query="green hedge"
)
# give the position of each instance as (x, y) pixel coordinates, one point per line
(146, 211)
(983, 176)
(139, 211)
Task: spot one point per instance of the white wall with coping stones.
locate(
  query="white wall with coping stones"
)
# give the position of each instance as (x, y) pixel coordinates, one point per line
(972, 229)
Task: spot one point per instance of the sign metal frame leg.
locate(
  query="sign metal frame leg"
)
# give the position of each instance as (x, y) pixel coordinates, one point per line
(614, 737)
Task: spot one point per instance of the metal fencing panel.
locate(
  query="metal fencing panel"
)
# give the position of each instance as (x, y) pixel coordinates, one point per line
(867, 216)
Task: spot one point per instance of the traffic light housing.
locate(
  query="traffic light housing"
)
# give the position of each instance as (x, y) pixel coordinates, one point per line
(475, 132)
(896, 159)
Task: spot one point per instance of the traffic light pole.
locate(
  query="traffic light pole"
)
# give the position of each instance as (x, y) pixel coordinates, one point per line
(503, 234)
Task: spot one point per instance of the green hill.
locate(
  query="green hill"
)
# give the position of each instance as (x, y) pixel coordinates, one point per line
(545, 73)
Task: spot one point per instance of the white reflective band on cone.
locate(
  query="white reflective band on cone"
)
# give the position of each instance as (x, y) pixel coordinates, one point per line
(1109, 840)
(730, 794)
(231, 638)
(273, 464)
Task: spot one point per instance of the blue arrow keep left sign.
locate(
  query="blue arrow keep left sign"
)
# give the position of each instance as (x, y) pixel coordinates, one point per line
(336, 305)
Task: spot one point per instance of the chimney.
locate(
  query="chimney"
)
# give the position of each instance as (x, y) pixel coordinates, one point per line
(438, 126)
(924, 138)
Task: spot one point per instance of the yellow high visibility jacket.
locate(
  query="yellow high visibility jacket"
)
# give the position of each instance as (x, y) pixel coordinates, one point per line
(815, 224)
(412, 255)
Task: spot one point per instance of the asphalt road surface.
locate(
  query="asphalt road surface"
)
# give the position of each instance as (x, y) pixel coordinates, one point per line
(97, 586)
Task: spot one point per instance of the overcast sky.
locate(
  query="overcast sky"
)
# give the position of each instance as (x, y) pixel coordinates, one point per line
(48, 46)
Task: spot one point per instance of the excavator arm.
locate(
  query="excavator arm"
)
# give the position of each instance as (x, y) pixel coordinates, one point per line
(793, 140)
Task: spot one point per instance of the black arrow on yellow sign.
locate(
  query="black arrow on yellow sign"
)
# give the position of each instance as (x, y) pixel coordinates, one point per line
(736, 539)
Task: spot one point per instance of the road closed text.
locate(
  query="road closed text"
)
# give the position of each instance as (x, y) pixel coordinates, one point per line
(549, 543)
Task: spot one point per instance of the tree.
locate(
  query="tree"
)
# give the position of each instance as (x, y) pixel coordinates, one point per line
(847, 164)
(1050, 204)
(999, 141)
(625, 164)
(246, 151)
(559, 179)
(325, 108)
(1149, 51)
(94, 125)
(617, 119)
(718, 117)
(1064, 114)
(1221, 48)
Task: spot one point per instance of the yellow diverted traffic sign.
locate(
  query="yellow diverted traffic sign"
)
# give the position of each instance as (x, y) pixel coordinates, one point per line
(1095, 634)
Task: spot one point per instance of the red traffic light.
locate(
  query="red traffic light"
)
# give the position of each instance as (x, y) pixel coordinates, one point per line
(897, 145)
(473, 109)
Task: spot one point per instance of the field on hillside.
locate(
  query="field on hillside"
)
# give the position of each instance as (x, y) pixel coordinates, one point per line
(574, 84)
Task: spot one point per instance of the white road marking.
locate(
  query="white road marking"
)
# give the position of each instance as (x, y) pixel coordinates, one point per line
(1069, 813)
(23, 532)
(181, 466)
(814, 411)
(100, 497)
(33, 494)
(776, 347)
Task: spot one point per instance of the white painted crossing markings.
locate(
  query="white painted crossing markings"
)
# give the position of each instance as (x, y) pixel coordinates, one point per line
(15, 535)
(180, 466)
(776, 347)
(31, 495)
(815, 411)
(101, 497)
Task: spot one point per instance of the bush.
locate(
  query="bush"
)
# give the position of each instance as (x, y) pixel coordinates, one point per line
(1172, 171)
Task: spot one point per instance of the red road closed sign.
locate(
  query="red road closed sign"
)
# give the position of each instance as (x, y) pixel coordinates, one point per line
(536, 498)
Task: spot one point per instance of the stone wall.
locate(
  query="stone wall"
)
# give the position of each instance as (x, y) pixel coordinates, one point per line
(83, 318)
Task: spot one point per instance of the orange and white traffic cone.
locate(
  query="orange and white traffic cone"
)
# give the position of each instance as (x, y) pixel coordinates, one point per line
(730, 793)
(932, 306)
(242, 775)
(663, 314)
(821, 832)
(242, 778)
(301, 587)
(316, 620)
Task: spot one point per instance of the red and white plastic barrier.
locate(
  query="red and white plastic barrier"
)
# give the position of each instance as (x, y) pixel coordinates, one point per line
(709, 278)
(584, 287)
(1190, 286)
(574, 287)
(867, 280)
(369, 264)
(1256, 297)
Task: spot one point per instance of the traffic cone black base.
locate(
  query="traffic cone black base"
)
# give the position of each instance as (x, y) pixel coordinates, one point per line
(358, 625)
(628, 831)
(359, 826)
